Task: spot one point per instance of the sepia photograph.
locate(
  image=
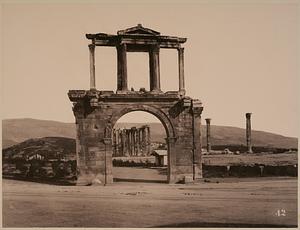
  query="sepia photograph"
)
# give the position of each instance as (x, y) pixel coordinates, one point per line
(150, 114)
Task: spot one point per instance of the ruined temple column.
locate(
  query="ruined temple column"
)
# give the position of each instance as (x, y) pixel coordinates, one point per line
(128, 144)
(248, 132)
(92, 67)
(154, 69)
(120, 147)
(133, 141)
(143, 144)
(141, 141)
(148, 141)
(138, 141)
(122, 68)
(117, 142)
(208, 144)
(181, 70)
(122, 143)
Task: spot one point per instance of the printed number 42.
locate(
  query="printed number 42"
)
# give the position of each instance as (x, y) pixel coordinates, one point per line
(280, 212)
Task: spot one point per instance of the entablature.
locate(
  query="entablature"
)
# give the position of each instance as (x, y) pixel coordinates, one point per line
(137, 35)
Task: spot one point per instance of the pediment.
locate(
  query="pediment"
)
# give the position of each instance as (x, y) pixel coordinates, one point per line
(138, 30)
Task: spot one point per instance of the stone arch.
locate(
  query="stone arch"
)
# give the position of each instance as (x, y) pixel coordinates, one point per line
(170, 131)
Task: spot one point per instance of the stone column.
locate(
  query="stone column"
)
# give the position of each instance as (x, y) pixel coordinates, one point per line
(122, 143)
(208, 144)
(122, 68)
(128, 149)
(125, 143)
(181, 70)
(248, 132)
(141, 141)
(148, 141)
(118, 142)
(92, 67)
(154, 69)
(129, 142)
(143, 144)
(134, 141)
(138, 141)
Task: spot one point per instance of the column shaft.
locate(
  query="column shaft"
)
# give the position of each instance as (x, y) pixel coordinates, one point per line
(208, 144)
(154, 69)
(248, 132)
(181, 70)
(128, 142)
(114, 143)
(138, 141)
(148, 141)
(92, 66)
(122, 68)
(144, 141)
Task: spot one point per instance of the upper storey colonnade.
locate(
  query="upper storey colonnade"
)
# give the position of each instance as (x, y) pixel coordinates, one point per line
(137, 39)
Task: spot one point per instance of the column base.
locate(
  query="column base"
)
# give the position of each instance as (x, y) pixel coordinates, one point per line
(181, 92)
(156, 91)
(94, 180)
(123, 91)
(197, 172)
(179, 178)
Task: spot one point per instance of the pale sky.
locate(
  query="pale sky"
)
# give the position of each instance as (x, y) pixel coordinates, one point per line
(239, 57)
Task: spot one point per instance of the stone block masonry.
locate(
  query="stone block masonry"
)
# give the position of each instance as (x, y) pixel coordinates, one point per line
(96, 112)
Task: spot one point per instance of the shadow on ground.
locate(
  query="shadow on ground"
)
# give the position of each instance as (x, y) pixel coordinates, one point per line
(49, 181)
(139, 180)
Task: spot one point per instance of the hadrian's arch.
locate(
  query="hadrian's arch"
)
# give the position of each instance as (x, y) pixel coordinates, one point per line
(97, 111)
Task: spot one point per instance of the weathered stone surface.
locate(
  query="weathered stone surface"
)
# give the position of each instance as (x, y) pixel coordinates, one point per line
(183, 133)
(131, 142)
(96, 112)
(208, 144)
(248, 133)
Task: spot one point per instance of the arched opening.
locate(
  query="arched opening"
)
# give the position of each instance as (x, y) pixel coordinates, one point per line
(139, 148)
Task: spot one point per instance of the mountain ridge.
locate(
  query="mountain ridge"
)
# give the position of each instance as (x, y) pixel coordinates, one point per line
(15, 131)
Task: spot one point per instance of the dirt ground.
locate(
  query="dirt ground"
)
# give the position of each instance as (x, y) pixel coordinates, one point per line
(232, 202)
(139, 174)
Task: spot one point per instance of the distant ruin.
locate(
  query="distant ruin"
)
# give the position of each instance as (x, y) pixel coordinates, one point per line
(131, 142)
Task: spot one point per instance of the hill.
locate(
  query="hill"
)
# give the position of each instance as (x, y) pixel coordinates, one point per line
(48, 147)
(18, 130)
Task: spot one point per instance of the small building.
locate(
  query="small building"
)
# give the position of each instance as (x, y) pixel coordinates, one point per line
(35, 156)
(161, 157)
